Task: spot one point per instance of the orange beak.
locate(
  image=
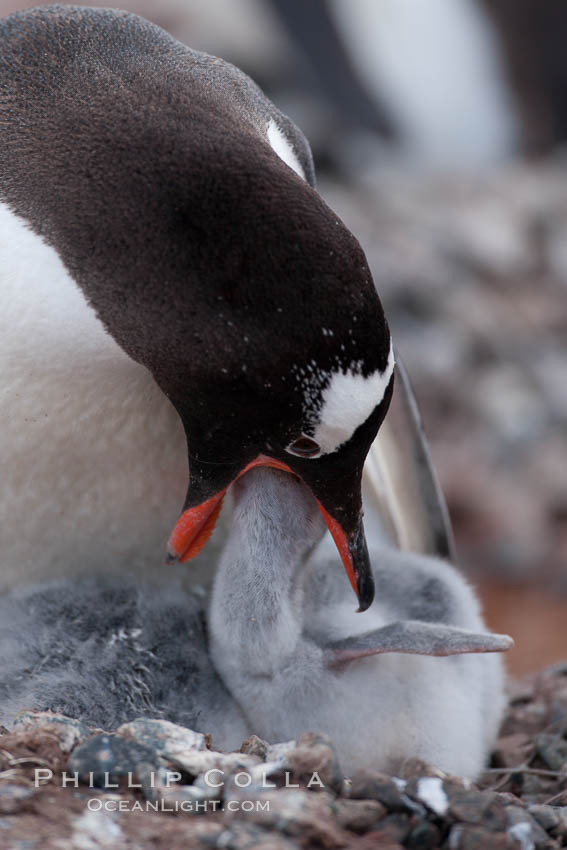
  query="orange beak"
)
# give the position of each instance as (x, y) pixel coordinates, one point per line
(195, 526)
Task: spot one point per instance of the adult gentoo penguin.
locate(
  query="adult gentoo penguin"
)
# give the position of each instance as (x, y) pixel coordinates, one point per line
(160, 226)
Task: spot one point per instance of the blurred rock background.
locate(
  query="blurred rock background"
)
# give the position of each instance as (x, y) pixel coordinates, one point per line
(438, 132)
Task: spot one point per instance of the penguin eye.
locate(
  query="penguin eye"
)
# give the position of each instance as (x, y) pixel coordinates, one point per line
(304, 447)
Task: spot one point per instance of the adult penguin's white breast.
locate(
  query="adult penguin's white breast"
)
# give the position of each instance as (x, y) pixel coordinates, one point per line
(109, 462)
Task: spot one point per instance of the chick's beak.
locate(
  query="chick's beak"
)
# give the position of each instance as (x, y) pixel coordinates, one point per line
(196, 524)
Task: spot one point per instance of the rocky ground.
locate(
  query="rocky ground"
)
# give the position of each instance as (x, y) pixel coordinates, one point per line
(163, 797)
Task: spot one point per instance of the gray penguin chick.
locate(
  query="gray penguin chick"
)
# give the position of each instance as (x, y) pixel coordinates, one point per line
(296, 657)
(109, 649)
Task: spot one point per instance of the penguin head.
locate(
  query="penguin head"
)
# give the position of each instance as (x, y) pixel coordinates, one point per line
(300, 380)
(287, 361)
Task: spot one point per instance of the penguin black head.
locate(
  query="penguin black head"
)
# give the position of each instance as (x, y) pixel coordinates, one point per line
(182, 204)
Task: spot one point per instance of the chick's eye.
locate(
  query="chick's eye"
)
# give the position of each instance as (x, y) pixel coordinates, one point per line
(304, 447)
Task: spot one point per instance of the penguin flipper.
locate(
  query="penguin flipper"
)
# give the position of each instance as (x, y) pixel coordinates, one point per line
(401, 489)
(414, 637)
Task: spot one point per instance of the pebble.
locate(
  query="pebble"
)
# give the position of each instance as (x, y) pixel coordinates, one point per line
(106, 760)
(359, 815)
(168, 739)
(315, 758)
(373, 785)
(430, 790)
(255, 746)
(68, 731)
(477, 807)
(552, 749)
(523, 826)
(546, 816)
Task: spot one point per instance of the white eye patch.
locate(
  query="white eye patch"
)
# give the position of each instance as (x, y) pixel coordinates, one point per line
(347, 401)
(283, 148)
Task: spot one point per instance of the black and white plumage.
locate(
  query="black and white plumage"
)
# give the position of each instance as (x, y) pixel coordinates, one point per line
(159, 226)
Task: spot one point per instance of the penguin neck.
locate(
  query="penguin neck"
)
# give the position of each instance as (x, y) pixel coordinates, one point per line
(257, 601)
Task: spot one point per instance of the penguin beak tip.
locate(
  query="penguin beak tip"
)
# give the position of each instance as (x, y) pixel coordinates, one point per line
(171, 558)
(365, 592)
